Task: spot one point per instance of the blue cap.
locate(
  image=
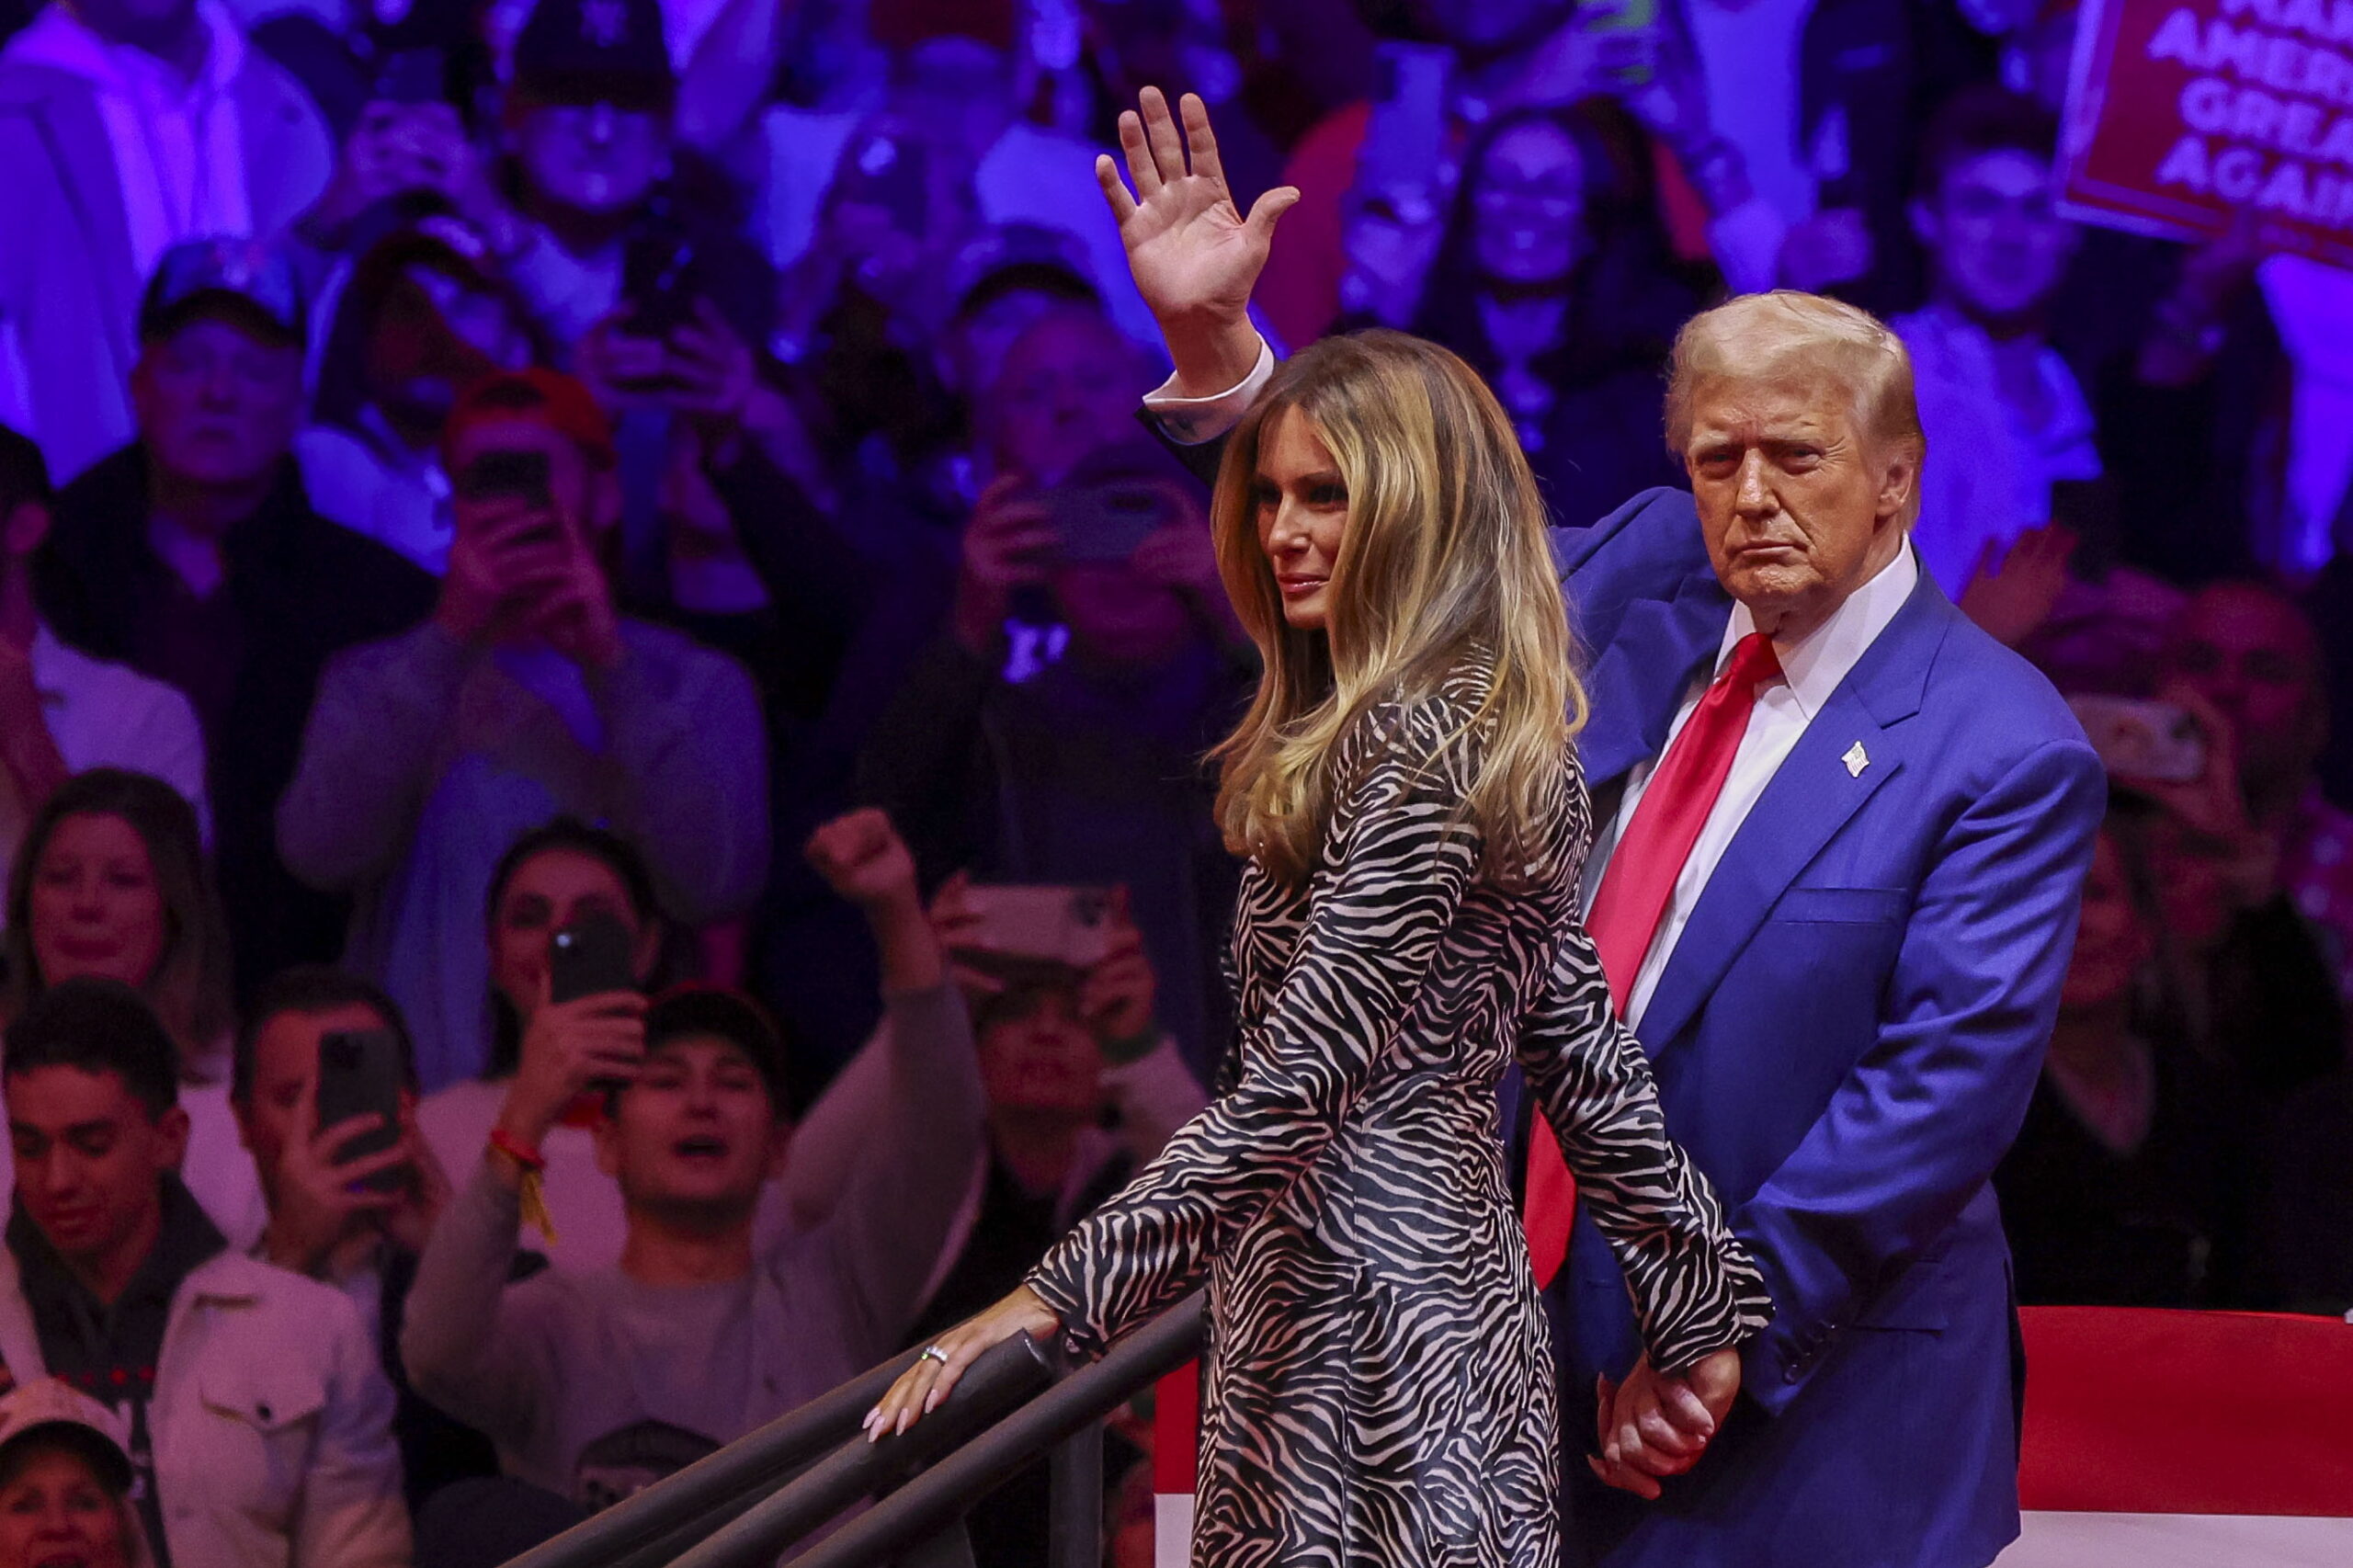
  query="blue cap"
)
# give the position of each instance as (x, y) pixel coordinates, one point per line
(254, 284)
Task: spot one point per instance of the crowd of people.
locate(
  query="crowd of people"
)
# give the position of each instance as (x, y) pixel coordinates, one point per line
(473, 476)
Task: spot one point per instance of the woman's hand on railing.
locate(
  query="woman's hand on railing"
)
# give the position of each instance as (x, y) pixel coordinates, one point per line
(922, 1386)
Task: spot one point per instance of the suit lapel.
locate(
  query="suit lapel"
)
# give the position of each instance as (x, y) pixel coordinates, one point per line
(1811, 797)
(1638, 684)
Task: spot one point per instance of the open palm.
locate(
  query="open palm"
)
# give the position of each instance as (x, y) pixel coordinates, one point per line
(1194, 255)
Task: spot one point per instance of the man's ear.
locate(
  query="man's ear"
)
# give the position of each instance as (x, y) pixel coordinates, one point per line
(171, 1137)
(1900, 477)
(24, 528)
(779, 1148)
(607, 1139)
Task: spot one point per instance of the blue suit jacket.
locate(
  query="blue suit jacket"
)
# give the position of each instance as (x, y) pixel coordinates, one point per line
(1845, 1041)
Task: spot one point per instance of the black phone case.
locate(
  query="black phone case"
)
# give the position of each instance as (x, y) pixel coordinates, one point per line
(591, 956)
(360, 1074)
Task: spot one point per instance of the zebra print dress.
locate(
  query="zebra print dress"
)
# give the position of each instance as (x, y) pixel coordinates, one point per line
(1380, 1387)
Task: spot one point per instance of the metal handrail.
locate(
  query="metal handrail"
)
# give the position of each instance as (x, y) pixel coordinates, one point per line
(745, 1506)
(718, 1485)
(1001, 1377)
(942, 1493)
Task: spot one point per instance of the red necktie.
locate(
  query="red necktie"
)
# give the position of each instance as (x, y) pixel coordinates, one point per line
(1634, 893)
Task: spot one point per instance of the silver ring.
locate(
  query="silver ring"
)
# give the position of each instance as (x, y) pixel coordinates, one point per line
(934, 1354)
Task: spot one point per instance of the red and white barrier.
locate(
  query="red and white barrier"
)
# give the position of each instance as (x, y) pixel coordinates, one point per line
(2154, 1439)
(2158, 1440)
(1176, 1455)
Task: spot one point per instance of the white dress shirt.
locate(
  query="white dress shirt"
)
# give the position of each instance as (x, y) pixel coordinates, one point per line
(1812, 667)
(1189, 420)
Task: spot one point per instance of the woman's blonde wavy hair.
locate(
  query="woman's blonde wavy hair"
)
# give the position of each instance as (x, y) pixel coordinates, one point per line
(1444, 559)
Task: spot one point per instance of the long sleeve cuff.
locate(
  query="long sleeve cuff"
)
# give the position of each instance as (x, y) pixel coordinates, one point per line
(1721, 1302)
(1059, 1292)
(1189, 420)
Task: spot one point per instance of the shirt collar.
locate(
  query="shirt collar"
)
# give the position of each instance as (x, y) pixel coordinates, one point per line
(1814, 665)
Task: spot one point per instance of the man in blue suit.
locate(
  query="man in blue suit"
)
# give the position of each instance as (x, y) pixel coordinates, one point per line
(1843, 962)
(1847, 995)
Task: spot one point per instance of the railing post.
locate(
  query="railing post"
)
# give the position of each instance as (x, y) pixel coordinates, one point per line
(1076, 1537)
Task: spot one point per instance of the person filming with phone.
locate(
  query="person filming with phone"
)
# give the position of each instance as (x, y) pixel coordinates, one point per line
(594, 1381)
(594, 170)
(1054, 733)
(524, 695)
(407, 142)
(325, 1093)
(262, 1420)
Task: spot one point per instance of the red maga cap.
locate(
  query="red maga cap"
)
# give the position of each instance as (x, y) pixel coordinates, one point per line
(538, 395)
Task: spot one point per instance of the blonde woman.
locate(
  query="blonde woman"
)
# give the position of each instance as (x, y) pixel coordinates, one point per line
(1406, 792)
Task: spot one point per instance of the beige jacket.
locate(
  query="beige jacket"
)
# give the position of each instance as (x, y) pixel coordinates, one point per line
(272, 1421)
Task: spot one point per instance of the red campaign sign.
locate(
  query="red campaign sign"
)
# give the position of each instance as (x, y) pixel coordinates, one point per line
(2183, 113)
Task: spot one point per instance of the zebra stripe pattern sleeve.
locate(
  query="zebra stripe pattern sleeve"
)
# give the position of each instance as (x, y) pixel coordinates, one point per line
(1399, 858)
(1695, 1289)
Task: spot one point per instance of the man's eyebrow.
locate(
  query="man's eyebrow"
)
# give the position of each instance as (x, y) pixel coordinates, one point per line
(98, 1124)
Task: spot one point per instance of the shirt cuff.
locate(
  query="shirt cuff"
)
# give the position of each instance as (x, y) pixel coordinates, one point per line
(1189, 420)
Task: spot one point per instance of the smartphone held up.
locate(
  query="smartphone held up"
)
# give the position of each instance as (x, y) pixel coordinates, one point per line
(2136, 739)
(1013, 933)
(360, 1074)
(508, 473)
(596, 955)
(1114, 498)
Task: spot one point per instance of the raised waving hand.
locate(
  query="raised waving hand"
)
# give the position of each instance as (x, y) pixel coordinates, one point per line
(1194, 255)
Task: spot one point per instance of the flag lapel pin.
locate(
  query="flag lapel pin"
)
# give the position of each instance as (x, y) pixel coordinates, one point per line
(1855, 759)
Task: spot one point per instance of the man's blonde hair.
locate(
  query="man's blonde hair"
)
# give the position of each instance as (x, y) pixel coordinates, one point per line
(1785, 334)
(1445, 561)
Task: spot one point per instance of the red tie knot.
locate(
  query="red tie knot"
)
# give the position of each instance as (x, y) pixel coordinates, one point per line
(1752, 662)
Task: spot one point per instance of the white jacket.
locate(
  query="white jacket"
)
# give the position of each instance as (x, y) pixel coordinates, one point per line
(272, 1421)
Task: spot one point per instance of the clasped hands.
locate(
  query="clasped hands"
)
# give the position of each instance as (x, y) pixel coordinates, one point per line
(1653, 1425)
